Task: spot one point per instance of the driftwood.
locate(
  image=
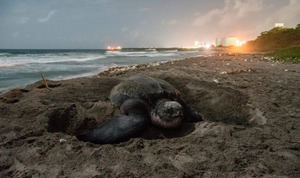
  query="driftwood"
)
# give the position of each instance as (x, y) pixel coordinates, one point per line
(45, 81)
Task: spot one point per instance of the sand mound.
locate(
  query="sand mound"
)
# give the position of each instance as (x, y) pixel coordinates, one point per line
(216, 103)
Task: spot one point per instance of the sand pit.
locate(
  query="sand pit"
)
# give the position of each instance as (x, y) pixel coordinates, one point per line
(250, 128)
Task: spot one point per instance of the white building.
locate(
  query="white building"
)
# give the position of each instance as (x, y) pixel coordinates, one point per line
(279, 25)
(227, 41)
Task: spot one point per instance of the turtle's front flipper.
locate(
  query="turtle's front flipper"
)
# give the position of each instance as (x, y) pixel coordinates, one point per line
(117, 129)
(120, 128)
(191, 115)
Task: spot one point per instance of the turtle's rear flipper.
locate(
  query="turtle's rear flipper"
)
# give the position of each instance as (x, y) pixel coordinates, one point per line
(115, 130)
(120, 128)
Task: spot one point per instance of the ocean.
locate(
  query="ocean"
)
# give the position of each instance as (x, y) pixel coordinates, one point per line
(21, 67)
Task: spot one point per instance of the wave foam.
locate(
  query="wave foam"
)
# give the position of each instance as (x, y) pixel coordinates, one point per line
(140, 53)
(87, 74)
(11, 65)
(5, 54)
(60, 60)
(21, 61)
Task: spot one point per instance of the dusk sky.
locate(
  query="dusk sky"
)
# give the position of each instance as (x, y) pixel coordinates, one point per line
(137, 23)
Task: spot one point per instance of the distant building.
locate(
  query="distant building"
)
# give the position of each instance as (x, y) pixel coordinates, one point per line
(279, 25)
(230, 41)
(198, 44)
(227, 41)
(219, 42)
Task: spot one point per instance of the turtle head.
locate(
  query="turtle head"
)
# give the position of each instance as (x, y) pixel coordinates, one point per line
(167, 114)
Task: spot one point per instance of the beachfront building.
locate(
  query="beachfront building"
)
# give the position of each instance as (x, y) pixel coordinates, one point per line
(227, 41)
(219, 42)
(279, 25)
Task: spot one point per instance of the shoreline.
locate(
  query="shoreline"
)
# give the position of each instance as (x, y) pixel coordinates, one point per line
(109, 69)
(87, 74)
(251, 115)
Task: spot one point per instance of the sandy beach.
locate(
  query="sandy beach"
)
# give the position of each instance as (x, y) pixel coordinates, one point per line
(250, 104)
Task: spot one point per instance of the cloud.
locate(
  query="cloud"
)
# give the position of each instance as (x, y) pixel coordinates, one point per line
(232, 11)
(145, 9)
(124, 29)
(135, 34)
(288, 14)
(23, 20)
(48, 17)
(15, 34)
(172, 22)
(244, 18)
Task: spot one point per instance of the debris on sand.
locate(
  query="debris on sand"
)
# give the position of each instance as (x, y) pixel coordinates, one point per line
(216, 80)
(62, 140)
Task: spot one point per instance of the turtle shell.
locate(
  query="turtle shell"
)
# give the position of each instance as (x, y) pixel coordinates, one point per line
(143, 87)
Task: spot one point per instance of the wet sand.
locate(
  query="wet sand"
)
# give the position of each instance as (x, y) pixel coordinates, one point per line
(251, 108)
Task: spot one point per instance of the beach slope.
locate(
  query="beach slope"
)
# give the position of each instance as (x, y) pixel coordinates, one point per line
(250, 104)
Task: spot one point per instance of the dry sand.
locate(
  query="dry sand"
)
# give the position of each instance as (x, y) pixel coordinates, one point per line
(251, 107)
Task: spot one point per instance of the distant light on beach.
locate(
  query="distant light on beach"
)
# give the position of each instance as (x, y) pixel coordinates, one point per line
(240, 43)
(112, 48)
(207, 46)
(198, 45)
(229, 41)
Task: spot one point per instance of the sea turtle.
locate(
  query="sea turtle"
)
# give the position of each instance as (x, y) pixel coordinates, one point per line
(142, 99)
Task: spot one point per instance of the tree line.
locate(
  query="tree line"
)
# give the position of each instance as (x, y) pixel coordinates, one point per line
(276, 38)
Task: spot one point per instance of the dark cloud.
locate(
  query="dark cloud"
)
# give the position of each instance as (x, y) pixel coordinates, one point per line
(140, 23)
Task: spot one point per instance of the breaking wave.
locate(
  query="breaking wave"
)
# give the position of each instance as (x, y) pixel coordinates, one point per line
(140, 53)
(5, 65)
(21, 61)
(21, 67)
(61, 59)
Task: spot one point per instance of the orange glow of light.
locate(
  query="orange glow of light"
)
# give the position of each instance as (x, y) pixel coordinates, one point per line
(112, 48)
(198, 45)
(207, 46)
(239, 43)
(189, 47)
